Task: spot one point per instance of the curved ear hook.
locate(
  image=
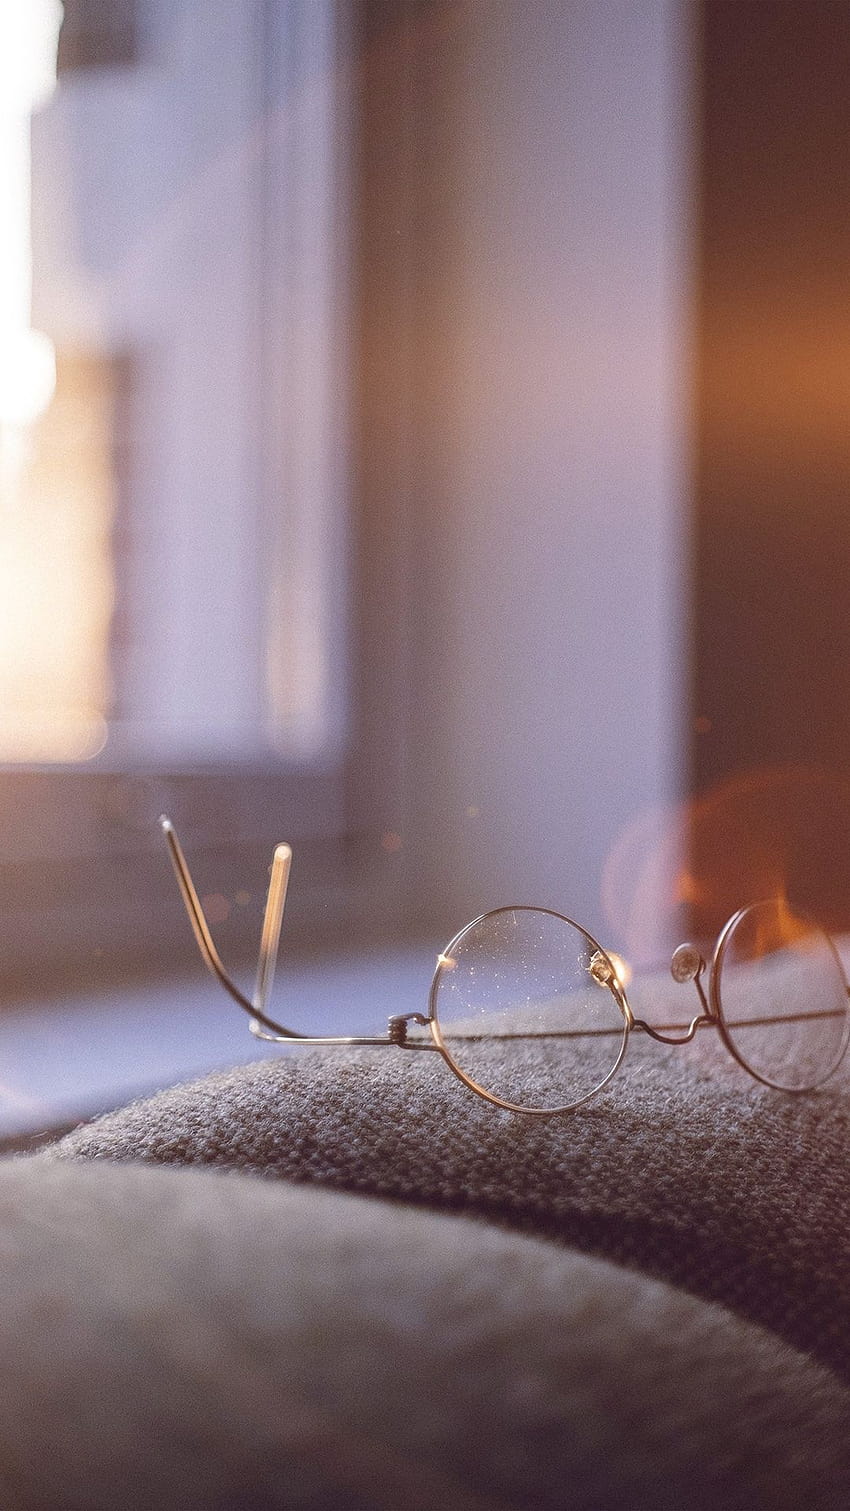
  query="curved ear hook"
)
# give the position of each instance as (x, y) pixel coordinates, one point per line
(270, 939)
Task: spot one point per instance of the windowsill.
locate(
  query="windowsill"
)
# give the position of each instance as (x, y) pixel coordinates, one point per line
(66, 1062)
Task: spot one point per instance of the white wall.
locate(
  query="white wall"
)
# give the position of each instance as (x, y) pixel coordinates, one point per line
(548, 619)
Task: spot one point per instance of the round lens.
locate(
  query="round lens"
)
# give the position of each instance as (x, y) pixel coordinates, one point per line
(523, 1008)
(782, 996)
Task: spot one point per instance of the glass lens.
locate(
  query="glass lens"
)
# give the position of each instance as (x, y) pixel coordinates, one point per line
(522, 1009)
(782, 996)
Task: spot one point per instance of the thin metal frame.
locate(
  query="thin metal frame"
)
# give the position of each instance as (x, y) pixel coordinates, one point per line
(687, 964)
(605, 974)
(722, 1023)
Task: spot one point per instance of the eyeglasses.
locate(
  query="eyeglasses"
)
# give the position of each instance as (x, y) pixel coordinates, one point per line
(530, 1012)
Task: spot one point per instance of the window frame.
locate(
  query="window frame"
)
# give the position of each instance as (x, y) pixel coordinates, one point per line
(86, 897)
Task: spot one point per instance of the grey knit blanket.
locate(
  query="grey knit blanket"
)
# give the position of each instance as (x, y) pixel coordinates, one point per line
(684, 1167)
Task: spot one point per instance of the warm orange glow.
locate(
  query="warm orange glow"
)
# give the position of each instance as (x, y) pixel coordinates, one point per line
(761, 834)
(777, 930)
(622, 969)
(688, 889)
(56, 579)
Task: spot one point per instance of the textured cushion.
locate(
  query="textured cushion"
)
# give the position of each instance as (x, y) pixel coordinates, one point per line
(197, 1339)
(684, 1167)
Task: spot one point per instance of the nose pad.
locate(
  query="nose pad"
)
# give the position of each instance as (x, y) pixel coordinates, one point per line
(687, 964)
(602, 970)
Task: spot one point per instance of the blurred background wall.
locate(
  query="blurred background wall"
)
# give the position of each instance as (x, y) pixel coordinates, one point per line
(532, 197)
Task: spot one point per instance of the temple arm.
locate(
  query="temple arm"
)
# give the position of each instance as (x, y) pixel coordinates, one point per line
(272, 921)
(261, 1025)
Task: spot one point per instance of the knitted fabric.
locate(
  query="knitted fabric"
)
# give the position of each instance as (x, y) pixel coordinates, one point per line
(684, 1167)
(200, 1341)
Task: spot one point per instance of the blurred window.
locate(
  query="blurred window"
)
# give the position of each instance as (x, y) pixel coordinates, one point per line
(176, 525)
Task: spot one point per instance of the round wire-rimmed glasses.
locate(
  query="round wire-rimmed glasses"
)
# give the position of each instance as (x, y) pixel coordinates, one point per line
(530, 1012)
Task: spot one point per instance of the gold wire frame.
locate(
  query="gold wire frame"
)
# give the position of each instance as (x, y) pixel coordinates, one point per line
(686, 965)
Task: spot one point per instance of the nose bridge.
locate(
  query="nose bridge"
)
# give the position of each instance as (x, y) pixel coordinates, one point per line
(672, 1035)
(686, 965)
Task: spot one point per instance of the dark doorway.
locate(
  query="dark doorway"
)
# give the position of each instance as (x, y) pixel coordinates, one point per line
(771, 709)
